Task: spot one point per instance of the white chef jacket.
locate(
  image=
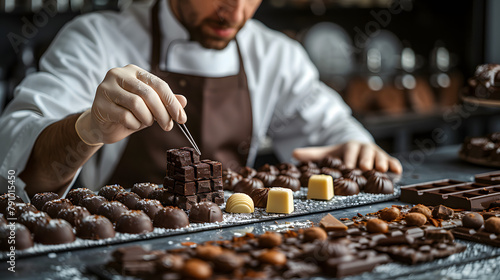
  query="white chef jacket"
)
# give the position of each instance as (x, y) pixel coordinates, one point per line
(289, 103)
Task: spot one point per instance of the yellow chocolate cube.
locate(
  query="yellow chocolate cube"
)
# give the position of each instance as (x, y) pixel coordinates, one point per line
(280, 200)
(320, 187)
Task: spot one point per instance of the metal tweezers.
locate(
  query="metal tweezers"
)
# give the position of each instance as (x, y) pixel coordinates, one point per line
(190, 138)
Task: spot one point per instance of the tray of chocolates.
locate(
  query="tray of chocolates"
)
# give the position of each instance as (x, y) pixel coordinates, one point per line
(192, 199)
(482, 150)
(333, 248)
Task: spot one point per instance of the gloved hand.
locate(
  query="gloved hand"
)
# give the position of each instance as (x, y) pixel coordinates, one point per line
(366, 156)
(129, 99)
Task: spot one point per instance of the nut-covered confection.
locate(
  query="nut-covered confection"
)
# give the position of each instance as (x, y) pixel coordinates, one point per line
(20, 234)
(55, 231)
(76, 195)
(92, 203)
(269, 169)
(248, 172)
(149, 206)
(205, 212)
(134, 221)
(314, 233)
(110, 191)
(208, 252)
(376, 226)
(259, 197)
(40, 199)
(379, 184)
(332, 162)
(171, 217)
(95, 227)
(230, 179)
(266, 178)
(73, 215)
(54, 206)
(492, 225)
(246, 185)
(422, 209)
(472, 220)
(197, 269)
(112, 210)
(273, 257)
(33, 219)
(143, 189)
(288, 182)
(128, 199)
(415, 219)
(344, 186)
(442, 212)
(270, 240)
(357, 176)
(389, 214)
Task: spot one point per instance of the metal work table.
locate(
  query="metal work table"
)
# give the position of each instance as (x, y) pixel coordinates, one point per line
(438, 164)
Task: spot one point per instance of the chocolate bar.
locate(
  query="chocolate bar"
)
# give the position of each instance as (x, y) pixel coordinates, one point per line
(451, 193)
(490, 178)
(215, 168)
(480, 236)
(184, 173)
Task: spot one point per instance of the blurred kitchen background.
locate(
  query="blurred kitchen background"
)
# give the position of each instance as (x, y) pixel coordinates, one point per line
(399, 64)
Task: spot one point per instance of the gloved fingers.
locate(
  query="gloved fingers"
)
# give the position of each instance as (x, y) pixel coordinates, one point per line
(182, 99)
(166, 95)
(134, 103)
(381, 161)
(118, 114)
(351, 154)
(366, 157)
(395, 165)
(311, 153)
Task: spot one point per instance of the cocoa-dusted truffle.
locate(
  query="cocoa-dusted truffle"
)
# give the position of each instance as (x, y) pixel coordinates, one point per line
(288, 182)
(171, 217)
(33, 219)
(165, 197)
(265, 177)
(22, 237)
(230, 179)
(55, 231)
(246, 185)
(357, 176)
(335, 173)
(143, 189)
(134, 221)
(269, 169)
(95, 227)
(149, 206)
(110, 191)
(73, 215)
(112, 210)
(54, 206)
(379, 184)
(345, 187)
(259, 197)
(332, 162)
(128, 199)
(76, 195)
(4, 201)
(92, 203)
(248, 172)
(205, 212)
(472, 220)
(40, 199)
(20, 208)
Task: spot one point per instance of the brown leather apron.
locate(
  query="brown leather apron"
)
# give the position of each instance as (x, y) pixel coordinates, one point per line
(219, 119)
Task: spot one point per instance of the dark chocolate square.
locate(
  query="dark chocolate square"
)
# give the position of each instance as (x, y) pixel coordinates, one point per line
(169, 184)
(170, 170)
(201, 171)
(218, 200)
(216, 184)
(215, 168)
(204, 197)
(218, 197)
(203, 186)
(195, 157)
(180, 158)
(165, 197)
(185, 188)
(185, 173)
(186, 202)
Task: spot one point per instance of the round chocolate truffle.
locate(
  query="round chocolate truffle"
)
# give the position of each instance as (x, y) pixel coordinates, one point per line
(357, 176)
(73, 215)
(288, 182)
(20, 208)
(22, 237)
(76, 195)
(40, 199)
(33, 219)
(171, 217)
(259, 197)
(472, 220)
(55, 231)
(205, 212)
(110, 191)
(95, 227)
(344, 187)
(112, 210)
(289, 170)
(248, 172)
(128, 199)
(373, 172)
(54, 206)
(134, 221)
(92, 203)
(246, 185)
(165, 197)
(4, 201)
(230, 179)
(144, 189)
(379, 184)
(335, 173)
(269, 169)
(265, 177)
(332, 162)
(149, 206)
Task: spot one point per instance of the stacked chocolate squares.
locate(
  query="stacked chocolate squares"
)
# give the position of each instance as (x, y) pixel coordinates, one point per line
(191, 180)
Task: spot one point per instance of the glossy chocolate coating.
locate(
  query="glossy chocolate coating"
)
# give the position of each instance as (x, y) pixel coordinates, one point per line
(335, 173)
(472, 220)
(246, 185)
(134, 221)
(40, 199)
(289, 170)
(128, 199)
(20, 208)
(55, 231)
(22, 237)
(379, 184)
(269, 169)
(165, 197)
(171, 218)
(247, 172)
(205, 212)
(288, 182)
(143, 189)
(149, 206)
(332, 162)
(92, 203)
(266, 178)
(259, 197)
(112, 210)
(54, 206)
(357, 176)
(76, 195)
(73, 215)
(95, 227)
(110, 191)
(230, 179)
(4, 201)
(344, 187)
(33, 219)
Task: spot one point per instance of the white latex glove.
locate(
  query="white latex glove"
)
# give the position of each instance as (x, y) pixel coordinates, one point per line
(129, 99)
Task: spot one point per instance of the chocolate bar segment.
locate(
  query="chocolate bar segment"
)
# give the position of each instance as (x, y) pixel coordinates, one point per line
(218, 197)
(179, 158)
(201, 171)
(215, 168)
(202, 197)
(184, 173)
(195, 157)
(203, 186)
(216, 184)
(186, 202)
(490, 178)
(185, 188)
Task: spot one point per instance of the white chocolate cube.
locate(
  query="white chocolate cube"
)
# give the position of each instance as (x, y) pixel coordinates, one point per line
(280, 200)
(320, 187)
